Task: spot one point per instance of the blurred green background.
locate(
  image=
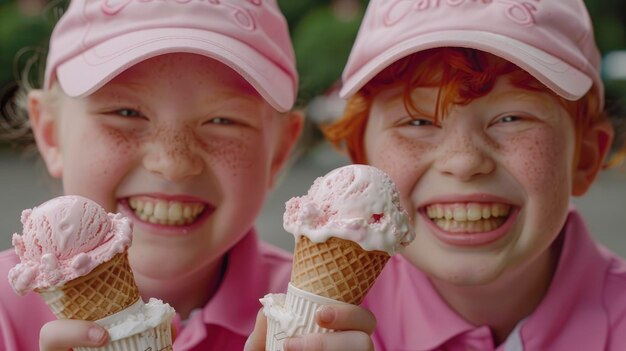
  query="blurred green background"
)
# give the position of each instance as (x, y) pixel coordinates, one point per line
(322, 31)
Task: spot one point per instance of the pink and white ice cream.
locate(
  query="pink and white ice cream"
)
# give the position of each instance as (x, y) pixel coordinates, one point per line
(359, 203)
(65, 238)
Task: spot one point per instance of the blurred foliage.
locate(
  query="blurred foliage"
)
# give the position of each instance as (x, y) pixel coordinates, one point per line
(322, 40)
(609, 21)
(322, 30)
(18, 31)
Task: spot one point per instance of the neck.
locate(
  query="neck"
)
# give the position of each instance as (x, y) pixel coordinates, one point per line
(185, 293)
(502, 304)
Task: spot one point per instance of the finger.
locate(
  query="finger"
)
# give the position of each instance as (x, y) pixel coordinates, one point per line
(338, 341)
(346, 317)
(256, 340)
(63, 334)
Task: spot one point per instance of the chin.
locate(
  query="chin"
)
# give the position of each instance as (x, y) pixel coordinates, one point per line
(463, 271)
(151, 264)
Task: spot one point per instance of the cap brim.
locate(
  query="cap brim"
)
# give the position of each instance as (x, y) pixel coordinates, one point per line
(86, 73)
(562, 78)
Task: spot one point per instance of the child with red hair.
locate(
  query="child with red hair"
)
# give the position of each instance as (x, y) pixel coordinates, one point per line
(488, 116)
(179, 115)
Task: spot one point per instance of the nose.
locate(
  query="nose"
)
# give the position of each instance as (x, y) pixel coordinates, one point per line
(465, 156)
(173, 157)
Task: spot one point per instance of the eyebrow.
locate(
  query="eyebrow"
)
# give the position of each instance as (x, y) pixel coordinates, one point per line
(131, 87)
(527, 95)
(545, 103)
(113, 86)
(252, 96)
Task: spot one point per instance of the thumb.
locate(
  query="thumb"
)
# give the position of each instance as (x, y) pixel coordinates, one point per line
(256, 340)
(63, 334)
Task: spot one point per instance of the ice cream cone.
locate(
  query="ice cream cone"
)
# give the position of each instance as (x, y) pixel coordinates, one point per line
(346, 228)
(338, 269)
(75, 255)
(107, 289)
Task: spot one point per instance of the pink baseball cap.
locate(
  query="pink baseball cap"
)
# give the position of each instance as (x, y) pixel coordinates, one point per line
(95, 40)
(552, 40)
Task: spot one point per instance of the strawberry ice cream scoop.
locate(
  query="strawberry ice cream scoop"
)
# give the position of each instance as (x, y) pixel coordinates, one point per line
(358, 203)
(63, 239)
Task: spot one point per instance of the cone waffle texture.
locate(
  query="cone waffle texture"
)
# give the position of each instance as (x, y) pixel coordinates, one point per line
(107, 289)
(338, 269)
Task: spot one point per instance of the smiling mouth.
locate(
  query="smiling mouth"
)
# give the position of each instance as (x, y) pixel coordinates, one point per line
(468, 217)
(166, 212)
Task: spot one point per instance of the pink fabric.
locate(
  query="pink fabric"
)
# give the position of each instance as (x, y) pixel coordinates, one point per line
(254, 269)
(96, 40)
(585, 308)
(552, 40)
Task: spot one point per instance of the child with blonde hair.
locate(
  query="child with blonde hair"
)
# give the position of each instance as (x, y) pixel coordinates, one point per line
(178, 114)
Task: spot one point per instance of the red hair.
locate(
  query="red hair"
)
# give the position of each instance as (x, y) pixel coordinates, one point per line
(461, 75)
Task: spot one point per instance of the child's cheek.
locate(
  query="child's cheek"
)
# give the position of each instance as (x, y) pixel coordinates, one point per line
(235, 156)
(122, 144)
(539, 160)
(96, 158)
(112, 150)
(402, 159)
(240, 166)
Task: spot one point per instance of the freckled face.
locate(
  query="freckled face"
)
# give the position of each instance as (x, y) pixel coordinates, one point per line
(178, 131)
(488, 189)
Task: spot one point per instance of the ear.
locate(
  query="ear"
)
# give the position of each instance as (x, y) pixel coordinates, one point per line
(289, 133)
(44, 125)
(595, 145)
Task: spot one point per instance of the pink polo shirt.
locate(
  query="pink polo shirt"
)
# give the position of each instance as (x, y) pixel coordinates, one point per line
(254, 269)
(584, 309)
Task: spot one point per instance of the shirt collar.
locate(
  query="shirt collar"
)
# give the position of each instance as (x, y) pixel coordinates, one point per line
(570, 306)
(570, 309)
(427, 313)
(244, 278)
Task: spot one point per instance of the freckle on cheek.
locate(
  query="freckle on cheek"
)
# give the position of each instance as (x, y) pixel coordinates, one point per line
(234, 155)
(120, 142)
(540, 162)
(399, 154)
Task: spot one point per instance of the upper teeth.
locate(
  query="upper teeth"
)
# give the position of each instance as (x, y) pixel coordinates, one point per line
(165, 212)
(468, 212)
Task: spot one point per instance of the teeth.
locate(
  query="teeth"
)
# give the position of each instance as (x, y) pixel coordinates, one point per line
(495, 210)
(165, 212)
(439, 212)
(482, 225)
(148, 208)
(175, 211)
(160, 210)
(486, 212)
(468, 212)
(468, 218)
(460, 214)
(474, 212)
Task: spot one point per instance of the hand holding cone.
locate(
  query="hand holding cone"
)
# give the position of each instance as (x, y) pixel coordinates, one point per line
(346, 228)
(75, 255)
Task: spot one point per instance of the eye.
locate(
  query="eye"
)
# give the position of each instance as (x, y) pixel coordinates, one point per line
(128, 112)
(509, 119)
(220, 120)
(419, 122)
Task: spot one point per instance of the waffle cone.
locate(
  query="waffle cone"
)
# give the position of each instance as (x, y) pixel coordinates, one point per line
(107, 289)
(338, 269)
